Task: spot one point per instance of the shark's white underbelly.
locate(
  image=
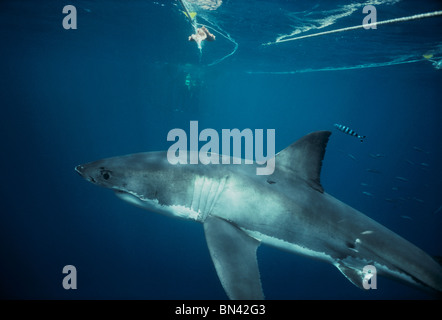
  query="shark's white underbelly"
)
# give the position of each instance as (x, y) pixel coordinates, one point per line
(292, 247)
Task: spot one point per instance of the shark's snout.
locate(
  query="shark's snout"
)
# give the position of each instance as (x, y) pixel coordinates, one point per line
(79, 169)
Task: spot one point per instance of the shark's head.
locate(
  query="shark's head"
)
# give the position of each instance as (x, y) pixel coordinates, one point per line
(114, 173)
(146, 180)
(98, 173)
(136, 178)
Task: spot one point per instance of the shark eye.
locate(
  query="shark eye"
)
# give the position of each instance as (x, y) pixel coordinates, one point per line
(106, 174)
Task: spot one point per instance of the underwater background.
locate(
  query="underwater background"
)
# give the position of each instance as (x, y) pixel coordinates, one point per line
(128, 75)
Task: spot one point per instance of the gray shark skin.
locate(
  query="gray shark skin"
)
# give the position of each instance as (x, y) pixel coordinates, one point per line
(288, 210)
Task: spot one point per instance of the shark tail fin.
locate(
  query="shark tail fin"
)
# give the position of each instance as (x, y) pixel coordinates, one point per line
(303, 158)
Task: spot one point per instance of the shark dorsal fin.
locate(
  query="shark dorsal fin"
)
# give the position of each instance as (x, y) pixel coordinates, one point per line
(304, 158)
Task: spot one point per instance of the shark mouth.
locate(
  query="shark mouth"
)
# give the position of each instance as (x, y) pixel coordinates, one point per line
(80, 170)
(121, 192)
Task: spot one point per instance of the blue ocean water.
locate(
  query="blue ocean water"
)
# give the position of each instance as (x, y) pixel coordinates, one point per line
(128, 75)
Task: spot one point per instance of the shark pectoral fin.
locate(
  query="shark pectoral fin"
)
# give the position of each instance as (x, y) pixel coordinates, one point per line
(234, 255)
(353, 275)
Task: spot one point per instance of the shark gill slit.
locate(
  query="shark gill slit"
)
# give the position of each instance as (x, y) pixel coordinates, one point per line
(198, 194)
(205, 191)
(211, 195)
(200, 191)
(195, 198)
(210, 189)
(219, 190)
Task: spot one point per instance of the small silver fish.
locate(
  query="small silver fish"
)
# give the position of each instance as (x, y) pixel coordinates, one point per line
(420, 150)
(376, 155)
(418, 200)
(352, 157)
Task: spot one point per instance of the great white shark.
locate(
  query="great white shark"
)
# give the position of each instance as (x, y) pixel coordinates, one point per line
(288, 210)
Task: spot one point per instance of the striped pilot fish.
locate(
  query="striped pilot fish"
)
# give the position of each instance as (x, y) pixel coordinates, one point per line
(349, 131)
